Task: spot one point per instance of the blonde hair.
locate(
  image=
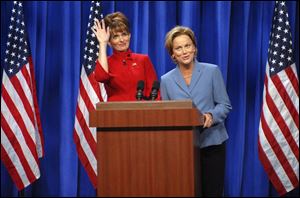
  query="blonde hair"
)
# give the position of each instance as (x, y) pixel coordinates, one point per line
(117, 22)
(178, 31)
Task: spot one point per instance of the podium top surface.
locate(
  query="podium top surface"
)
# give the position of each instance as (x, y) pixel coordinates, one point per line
(160, 104)
(145, 114)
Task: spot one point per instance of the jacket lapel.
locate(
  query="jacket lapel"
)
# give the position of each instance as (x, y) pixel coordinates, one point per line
(180, 81)
(196, 76)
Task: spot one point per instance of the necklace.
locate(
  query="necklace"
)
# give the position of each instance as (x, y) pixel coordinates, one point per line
(187, 76)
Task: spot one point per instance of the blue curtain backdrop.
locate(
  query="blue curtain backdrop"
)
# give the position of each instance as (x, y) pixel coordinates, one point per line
(233, 35)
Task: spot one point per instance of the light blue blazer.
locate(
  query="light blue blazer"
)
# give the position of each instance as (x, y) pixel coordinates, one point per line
(208, 93)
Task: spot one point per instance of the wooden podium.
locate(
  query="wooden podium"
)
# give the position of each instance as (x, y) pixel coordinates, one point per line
(147, 148)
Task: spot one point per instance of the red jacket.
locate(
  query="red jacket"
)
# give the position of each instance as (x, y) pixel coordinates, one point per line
(125, 70)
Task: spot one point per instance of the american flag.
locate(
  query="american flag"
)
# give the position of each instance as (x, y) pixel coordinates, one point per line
(90, 93)
(21, 135)
(279, 123)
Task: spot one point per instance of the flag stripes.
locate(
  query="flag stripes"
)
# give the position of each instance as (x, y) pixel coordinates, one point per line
(90, 93)
(279, 122)
(21, 133)
(84, 136)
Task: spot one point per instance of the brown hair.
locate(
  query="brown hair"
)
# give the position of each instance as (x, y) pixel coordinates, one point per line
(178, 31)
(117, 22)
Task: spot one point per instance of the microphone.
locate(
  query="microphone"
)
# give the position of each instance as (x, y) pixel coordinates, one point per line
(154, 92)
(140, 90)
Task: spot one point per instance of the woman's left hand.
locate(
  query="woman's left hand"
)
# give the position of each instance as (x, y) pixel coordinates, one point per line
(208, 120)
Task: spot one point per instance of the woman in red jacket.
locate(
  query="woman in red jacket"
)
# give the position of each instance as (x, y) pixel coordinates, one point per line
(121, 71)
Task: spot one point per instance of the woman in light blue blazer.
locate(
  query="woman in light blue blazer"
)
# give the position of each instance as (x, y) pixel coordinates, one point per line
(204, 85)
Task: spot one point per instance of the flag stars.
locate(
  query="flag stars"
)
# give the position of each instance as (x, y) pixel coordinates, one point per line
(90, 50)
(283, 47)
(277, 36)
(287, 23)
(16, 55)
(280, 64)
(279, 28)
(281, 56)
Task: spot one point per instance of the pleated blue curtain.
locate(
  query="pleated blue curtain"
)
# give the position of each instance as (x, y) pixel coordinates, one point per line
(233, 35)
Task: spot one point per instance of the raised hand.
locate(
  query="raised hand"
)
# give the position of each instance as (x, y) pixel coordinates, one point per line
(101, 33)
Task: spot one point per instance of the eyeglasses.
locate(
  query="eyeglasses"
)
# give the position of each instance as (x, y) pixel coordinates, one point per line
(120, 36)
(186, 48)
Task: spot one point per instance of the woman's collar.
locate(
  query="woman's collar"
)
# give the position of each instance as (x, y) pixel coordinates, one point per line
(122, 54)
